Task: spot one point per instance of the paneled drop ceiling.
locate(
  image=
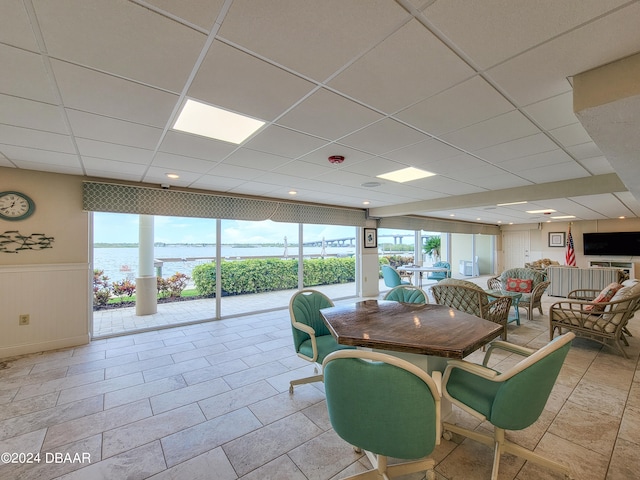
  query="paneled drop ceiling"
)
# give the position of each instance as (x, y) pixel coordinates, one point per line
(477, 92)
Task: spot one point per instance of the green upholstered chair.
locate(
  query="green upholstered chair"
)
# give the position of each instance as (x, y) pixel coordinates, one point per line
(407, 294)
(531, 300)
(311, 337)
(440, 275)
(470, 298)
(385, 406)
(512, 400)
(392, 277)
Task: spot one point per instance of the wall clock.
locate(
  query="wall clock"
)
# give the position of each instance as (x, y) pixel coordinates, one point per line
(15, 206)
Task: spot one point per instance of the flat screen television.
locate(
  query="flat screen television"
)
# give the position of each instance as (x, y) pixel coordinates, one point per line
(613, 243)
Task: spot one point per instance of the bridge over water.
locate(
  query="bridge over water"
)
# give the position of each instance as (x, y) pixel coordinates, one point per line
(350, 241)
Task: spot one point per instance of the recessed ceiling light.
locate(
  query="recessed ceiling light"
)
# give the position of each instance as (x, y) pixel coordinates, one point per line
(563, 217)
(499, 221)
(546, 210)
(510, 203)
(370, 184)
(213, 122)
(621, 217)
(452, 214)
(406, 175)
(172, 175)
(366, 202)
(292, 192)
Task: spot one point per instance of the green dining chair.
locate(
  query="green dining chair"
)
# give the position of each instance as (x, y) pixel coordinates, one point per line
(512, 400)
(407, 294)
(311, 337)
(386, 407)
(391, 277)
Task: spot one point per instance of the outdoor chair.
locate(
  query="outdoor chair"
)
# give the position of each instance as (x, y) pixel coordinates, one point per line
(407, 294)
(387, 407)
(392, 277)
(311, 337)
(440, 275)
(512, 400)
(470, 298)
(603, 322)
(531, 299)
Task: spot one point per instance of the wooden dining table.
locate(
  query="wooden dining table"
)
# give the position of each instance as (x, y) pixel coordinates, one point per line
(434, 332)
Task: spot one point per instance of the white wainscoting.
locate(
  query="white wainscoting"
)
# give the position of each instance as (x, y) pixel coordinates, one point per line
(56, 297)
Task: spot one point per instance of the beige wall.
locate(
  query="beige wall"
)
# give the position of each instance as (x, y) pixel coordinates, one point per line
(50, 285)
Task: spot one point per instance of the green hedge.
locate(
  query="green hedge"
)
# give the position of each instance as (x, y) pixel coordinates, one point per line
(265, 275)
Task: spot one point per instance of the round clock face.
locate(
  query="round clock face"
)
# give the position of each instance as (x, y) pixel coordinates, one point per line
(15, 206)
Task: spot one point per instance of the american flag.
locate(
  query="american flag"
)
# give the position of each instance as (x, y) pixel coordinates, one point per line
(570, 257)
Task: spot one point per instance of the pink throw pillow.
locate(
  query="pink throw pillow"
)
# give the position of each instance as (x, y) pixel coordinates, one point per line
(606, 295)
(518, 285)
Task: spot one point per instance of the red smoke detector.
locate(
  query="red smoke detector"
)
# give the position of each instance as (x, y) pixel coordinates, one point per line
(336, 159)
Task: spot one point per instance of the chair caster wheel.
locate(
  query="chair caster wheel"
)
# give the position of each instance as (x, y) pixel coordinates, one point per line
(290, 389)
(431, 475)
(357, 449)
(447, 435)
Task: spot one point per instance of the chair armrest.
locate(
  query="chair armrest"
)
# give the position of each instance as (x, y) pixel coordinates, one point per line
(305, 328)
(583, 294)
(473, 368)
(508, 347)
(494, 283)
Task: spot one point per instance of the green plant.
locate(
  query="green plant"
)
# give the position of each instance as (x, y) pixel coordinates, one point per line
(122, 289)
(101, 287)
(432, 247)
(163, 287)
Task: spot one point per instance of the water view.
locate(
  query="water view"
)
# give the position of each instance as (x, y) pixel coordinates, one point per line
(120, 263)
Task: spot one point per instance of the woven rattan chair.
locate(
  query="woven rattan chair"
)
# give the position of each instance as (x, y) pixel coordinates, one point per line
(470, 298)
(603, 322)
(529, 300)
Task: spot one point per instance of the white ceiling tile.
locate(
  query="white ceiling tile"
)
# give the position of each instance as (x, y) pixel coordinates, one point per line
(169, 161)
(90, 91)
(597, 165)
(30, 114)
(560, 171)
(351, 156)
(553, 112)
(503, 128)
(112, 151)
(158, 175)
(546, 159)
(15, 27)
(584, 151)
(541, 73)
(43, 157)
(253, 188)
(112, 130)
(311, 38)
(119, 25)
(520, 147)
(246, 84)
(375, 166)
(24, 137)
(328, 115)
(50, 165)
(606, 205)
(101, 167)
(470, 102)
(234, 171)
(508, 28)
(245, 157)
(28, 77)
(216, 183)
(399, 71)
(283, 142)
(424, 153)
(199, 12)
(383, 136)
(302, 169)
(196, 146)
(571, 135)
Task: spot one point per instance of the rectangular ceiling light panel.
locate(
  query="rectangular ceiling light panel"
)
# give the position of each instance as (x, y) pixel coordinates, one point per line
(213, 122)
(406, 175)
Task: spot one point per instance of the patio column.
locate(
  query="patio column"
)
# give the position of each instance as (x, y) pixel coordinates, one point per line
(146, 283)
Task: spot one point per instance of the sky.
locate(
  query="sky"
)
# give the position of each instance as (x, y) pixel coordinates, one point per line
(123, 228)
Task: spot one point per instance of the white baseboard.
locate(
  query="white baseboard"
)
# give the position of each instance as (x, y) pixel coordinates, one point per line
(25, 349)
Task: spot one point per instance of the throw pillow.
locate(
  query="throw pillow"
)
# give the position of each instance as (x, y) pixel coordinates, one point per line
(519, 285)
(606, 295)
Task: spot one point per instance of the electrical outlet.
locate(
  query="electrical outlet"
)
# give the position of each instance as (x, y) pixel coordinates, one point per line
(24, 320)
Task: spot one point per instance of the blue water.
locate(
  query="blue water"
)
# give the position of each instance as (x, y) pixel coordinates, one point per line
(122, 263)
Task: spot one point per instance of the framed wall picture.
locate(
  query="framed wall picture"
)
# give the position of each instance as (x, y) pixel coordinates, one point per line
(556, 239)
(370, 238)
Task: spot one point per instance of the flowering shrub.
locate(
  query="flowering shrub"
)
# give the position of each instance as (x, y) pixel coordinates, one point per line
(101, 288)
(122, 289)
(177, 283)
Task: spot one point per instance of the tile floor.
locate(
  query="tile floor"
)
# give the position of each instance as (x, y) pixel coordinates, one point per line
(211, 401)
